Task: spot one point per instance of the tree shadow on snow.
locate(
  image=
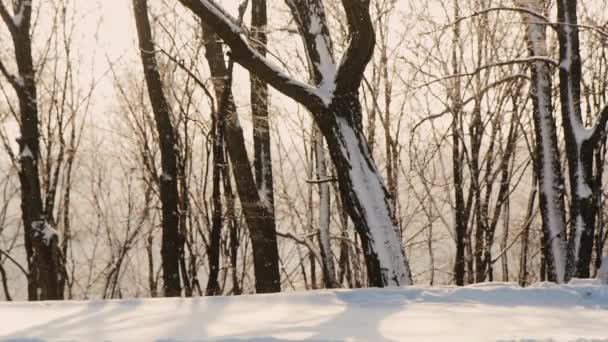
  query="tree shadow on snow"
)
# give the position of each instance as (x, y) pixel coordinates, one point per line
(363, 311)
(92, 320)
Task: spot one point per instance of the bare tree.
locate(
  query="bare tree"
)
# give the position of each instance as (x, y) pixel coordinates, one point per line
(550, 180)
(581, 142)
(258, 212)
(41, 239)
(166, 136)
(336, 109)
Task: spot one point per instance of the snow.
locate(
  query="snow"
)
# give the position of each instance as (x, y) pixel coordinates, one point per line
(218, 12)
(485, 312)
(19, 81)
(18, 17)
(325, 66)
(45, 230)
(26, 153)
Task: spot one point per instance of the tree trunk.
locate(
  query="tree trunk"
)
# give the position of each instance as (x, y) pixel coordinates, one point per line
(41, 239)
(329, 270)
(258, 215)
(364, 194)
(166, 136)
(336, 109)
(579, 148)
(550, 180)
(213, 250)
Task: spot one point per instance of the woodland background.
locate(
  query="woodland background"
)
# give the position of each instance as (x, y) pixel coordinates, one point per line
(448, 112)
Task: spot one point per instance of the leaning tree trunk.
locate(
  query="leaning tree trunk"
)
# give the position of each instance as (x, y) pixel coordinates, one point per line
(363, 192)
(258, 215)
(41, 239)
(550, 180)
(166, 136)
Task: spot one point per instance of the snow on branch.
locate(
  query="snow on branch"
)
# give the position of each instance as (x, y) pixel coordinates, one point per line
(22, 15)
(235, 37)
(19, 16)
(312, 26)
(7, 18)
(303, 240)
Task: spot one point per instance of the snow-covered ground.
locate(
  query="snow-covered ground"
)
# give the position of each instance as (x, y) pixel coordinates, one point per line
(484, 312)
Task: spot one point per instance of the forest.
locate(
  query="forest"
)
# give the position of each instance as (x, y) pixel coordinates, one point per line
(171, 148)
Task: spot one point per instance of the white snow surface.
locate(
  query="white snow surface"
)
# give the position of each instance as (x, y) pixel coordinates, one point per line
(483, 312)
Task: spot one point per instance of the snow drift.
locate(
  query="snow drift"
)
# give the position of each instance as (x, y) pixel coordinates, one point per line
(483, 312)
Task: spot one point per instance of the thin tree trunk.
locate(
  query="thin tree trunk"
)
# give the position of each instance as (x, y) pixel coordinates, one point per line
(329, 271)
(258, 215)
(460, 215)
(166, 136)
(525, 235)
(336, 109)
(213, 250)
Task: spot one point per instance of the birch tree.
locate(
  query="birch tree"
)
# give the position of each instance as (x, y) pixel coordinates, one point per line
(550, 180)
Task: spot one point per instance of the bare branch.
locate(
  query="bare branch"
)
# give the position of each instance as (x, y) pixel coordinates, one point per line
(360, 48)
(599, 129)
(9, 257)
(7, 18)
(234, 36)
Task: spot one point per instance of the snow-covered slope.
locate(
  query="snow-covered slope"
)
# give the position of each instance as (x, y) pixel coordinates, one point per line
(484, 312)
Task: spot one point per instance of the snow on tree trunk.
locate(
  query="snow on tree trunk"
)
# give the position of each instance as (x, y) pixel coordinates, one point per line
(364, 193)
(334, 104)
(579, 146)
(551, 184)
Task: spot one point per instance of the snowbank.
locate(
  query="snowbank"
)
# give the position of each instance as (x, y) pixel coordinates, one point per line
(484, 312)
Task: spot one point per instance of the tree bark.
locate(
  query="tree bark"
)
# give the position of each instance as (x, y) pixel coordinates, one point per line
(328, 266)
(41, 239)
(579, 146)
(166, 136)
(258, 215)
(550, 180)
(337, 111)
